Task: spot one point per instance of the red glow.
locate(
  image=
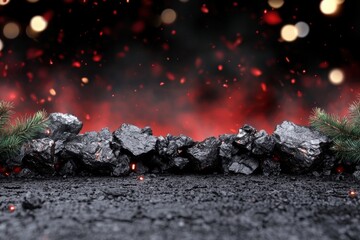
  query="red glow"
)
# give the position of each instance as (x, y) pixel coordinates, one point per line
(17, 170)
(133, 167)
(204, 9)
(340, 169)
(263, 87)
(138, 27)
(256, 72)
(34, 53)
(76, 64)
(272, 18)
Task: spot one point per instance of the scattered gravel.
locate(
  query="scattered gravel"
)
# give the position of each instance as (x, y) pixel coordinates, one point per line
(180, 207)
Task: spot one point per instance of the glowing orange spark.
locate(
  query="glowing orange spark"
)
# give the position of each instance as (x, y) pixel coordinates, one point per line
(263, 87)
(352, 193)
(133, 166)
(12, 208)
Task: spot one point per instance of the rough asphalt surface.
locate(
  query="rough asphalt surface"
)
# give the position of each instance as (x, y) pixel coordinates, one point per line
(180, 207)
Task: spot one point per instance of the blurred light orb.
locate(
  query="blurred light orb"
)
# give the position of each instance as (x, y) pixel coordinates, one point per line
(31, 1)
(329, 7)
(303, 29)
(336, 76)
(4, 2)
(38, 23)
(11, 30)
(84, 80)
(168, 16)
(340, 1)
(31, 33)
(276, 3)
(289, 33)
(1, 45)
(52, 92)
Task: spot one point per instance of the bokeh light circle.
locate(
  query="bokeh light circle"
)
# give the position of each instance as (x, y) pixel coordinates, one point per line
(11, 30)
(38, 23)
(289, 33)
(303, 29)
(336, 76)
(276, 3)
(168, 16)
(328, 7)
(4, 2)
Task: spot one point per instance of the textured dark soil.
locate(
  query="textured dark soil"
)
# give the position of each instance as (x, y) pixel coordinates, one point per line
(182, 207)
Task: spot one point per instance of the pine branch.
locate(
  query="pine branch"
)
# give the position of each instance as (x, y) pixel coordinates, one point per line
(5, 114)
(354, 113)
(349, 149)
(332, 126)
(344, 131)
(26, 128)
(10, 145)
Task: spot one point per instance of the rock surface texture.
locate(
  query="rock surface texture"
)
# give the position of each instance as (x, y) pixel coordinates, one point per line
(302, 148)
(63, 151)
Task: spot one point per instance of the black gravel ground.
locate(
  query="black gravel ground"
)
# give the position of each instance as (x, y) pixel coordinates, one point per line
(181, 207)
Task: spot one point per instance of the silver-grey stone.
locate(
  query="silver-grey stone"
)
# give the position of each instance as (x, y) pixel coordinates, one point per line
(243, 164)
(135, 140)
(61, 126)
(302, 146)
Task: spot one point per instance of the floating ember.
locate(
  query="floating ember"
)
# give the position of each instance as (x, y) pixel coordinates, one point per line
(352, 193)
(11, 207)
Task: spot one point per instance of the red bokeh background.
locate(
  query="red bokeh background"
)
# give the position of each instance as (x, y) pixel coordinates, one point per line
(217, 67)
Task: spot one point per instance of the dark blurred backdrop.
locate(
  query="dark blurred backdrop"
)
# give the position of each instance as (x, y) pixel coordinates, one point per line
(184, 66)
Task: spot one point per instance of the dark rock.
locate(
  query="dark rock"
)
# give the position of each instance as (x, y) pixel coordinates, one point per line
(134, 140)
(328, 163)
(141, 168)
(270, 167)
(182, 141)
(172, 151)
(244, 164)
(227, 138)
(41, 155)
(69, 168)
(302, 147)
(263, 143)
(205, 154)
(122, 168)
(180, 162)
(227, 150)
(356, 174)
(61, 127)
(147, 130)
(245, 137)
(32, 201)
(26, 173)
(93, 151)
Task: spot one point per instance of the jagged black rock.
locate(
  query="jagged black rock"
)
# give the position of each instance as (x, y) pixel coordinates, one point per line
(62, 150)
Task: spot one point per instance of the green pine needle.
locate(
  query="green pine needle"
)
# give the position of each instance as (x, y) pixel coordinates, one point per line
(12, 137)
(5, 114)
(345, 132)
(26, 128)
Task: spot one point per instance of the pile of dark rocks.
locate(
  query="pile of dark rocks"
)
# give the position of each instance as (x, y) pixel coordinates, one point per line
(61, 150)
